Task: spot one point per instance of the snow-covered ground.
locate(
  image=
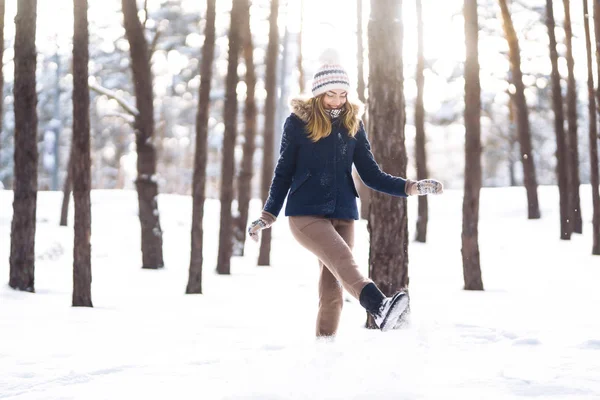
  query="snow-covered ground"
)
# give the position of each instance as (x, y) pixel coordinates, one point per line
(534, 332)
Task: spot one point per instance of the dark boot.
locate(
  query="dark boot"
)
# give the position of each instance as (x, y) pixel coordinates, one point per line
(385, 310)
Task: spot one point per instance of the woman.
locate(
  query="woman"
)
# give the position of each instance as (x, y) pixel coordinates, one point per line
(321, 140)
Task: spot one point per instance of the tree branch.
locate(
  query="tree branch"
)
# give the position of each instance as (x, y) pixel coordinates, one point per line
(152, 48)
(130, 108)
(127, 117)
(145, 13)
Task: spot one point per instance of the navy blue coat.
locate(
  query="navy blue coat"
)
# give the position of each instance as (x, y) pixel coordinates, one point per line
(318, 175)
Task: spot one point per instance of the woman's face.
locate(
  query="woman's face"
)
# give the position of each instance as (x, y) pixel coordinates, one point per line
(334, 99)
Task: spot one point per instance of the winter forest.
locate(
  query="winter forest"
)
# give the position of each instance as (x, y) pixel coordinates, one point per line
(139, 140)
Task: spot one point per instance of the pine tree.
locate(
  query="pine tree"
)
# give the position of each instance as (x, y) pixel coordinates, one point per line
(22, 234)
(81, 164)
(470, 227)
(199, 181)
(147, 187)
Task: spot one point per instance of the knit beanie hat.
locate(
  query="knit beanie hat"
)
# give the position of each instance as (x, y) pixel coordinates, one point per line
(331, 75)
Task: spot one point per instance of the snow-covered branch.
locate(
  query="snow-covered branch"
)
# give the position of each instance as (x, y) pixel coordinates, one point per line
(127, 117)
(130, 108)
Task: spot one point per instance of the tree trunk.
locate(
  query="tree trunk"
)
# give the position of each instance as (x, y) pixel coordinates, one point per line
(363, 190)
(300, 66)
(562, 155)
(82, 265)
(64, 209)
(420, 155)
(2, 12)
(572, 140)
(22, 234)
(470, 230)
(597, 36)
(522, 114)
(264, 256)
(388, 224)
(593, 126)
(199, 181)
(147, 188)
(229, 136)
(247, 167)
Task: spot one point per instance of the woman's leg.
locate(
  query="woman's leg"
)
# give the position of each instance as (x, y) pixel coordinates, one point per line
(319, 236)
(330, 303)
(331, 298)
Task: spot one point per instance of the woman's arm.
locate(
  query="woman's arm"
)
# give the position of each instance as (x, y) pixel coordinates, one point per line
(369, 170)
(284, 171)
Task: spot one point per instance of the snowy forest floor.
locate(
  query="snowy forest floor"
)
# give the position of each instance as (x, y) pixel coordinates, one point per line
(534, 331)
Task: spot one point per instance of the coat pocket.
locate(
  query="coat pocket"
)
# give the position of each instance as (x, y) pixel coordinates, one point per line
(349, 175)
(299, 181)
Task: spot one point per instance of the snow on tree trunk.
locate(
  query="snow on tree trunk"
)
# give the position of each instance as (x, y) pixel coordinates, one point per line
(571, 138)
(247, 166)
(147, 188)
(229, 138)
(199, 181)
(81, 163)
(420, 154)
(22, 235)
(562, 154)
(522, 113)
(264, 256)
(387, 223)
(593, 125)
(470, 234)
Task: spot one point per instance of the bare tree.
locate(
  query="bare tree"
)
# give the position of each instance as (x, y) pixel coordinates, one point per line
(470, 228)
(147, 188)
(593, 126)
(247, 166)
(264, 256)
(2, 12)
(81, 163)
(22, 234)
(597, 37)
(420, 154)
(363, 190)
(522, 114)
(562, 155)
(229, 137)
(388, 223)
(199, 183)
(571, 138)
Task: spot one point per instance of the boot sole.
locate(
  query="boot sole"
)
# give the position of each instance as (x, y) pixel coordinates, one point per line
(398, 307)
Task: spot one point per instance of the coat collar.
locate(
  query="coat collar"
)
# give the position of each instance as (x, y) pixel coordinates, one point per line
(300, 107)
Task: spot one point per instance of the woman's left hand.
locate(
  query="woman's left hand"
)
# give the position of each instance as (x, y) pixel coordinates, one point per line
(424, 187)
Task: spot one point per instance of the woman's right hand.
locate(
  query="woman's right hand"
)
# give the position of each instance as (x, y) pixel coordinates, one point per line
(255, 228)
(265, 221)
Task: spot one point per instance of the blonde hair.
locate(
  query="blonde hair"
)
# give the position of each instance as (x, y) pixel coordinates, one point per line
(319, 122)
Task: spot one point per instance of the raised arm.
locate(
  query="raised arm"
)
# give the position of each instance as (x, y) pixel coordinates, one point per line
(369, 170)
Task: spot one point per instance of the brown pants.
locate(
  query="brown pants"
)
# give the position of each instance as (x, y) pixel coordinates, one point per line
(331, 240)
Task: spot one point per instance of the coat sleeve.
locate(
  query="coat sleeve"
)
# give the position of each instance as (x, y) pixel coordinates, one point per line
(284, 171)
(369, 170)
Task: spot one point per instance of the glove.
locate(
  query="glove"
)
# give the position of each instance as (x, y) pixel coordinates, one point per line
(423, 187)
(265, 221)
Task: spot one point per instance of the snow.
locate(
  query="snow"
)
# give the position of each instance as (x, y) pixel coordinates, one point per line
(533, 333)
